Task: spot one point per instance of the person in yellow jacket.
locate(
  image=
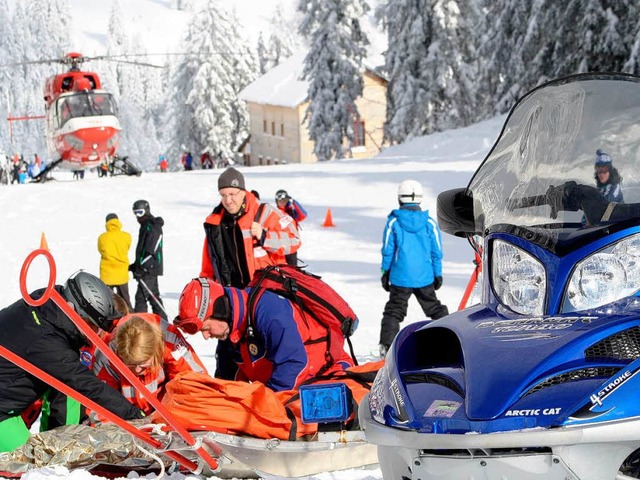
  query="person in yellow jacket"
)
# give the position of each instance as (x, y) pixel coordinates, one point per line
(113, 246)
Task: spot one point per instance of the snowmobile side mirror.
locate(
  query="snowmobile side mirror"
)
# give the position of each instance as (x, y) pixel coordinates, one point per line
(455, 212)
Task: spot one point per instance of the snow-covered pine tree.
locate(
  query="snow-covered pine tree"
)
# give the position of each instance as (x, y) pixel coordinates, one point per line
(430, 61)
(264, 55)
(595, 36)
(117, 44)
(44, 31)
(631, 38)
(136, 88)
(205, 111)
(141, 149)
(333, 67)
(503, 26)
(282, 43)
(8, 58)
(284, 39)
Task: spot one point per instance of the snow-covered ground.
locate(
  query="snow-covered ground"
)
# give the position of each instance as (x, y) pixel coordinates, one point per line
(359, 195)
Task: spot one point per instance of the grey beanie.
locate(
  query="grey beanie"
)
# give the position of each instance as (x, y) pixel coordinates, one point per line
(231, 178)
(111, 216)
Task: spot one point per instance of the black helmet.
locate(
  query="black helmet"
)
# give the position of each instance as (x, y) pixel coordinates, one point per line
(282, 195)
(91, 298)
(141, 208)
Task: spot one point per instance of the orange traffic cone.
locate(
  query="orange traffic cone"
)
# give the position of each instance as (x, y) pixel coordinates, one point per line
(43, 242)
(328, 221)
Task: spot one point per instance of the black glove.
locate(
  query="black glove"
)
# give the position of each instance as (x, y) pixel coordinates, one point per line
(385, 281)
(437, 283)
(132, 267)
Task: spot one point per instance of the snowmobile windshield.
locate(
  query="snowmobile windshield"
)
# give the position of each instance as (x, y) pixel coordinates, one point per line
(566, 158)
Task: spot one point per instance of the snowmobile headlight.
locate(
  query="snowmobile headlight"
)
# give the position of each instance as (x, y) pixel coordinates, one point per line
(519, 279)
(605, 276)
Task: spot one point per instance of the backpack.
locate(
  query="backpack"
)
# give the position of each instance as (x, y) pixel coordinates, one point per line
(314, 298)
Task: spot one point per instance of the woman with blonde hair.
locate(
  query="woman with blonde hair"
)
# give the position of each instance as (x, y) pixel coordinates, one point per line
(154, 350)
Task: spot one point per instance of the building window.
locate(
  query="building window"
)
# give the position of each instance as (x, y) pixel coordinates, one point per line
(358, 133)
(282, 129)
(273, 128)
(264, 126)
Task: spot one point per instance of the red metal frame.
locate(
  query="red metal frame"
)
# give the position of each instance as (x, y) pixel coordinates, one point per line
(51, 294)
(472, 281)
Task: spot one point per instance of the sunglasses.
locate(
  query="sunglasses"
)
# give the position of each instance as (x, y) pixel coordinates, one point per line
(139, 213)
(141, 366)
(602, 170)
(190, 326)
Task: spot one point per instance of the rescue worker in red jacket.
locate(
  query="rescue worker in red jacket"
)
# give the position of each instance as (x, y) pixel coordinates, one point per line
(48, 339)
(291, 207)
(279, 348)
(152, 349)
(236, 242)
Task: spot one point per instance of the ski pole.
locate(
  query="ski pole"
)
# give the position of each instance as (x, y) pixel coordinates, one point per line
(51, 293)
(153, 297)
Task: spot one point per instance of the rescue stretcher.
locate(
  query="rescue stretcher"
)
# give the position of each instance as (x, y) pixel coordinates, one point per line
(121, 446)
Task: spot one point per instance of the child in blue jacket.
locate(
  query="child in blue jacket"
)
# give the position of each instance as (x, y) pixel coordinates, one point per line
(411, 262)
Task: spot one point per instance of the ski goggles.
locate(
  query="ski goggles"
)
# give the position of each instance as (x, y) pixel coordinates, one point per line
(190, 326)
(139, 212)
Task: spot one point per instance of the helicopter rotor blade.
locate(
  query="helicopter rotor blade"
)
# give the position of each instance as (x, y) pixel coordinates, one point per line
(33, 62)
(122, 58)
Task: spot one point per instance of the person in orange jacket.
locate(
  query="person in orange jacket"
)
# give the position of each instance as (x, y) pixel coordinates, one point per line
(243, 236)
(152, 349)
(291, 207)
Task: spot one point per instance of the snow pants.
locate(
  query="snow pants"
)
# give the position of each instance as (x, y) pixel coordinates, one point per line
(123, 291)
(13, 433)
(396, 309)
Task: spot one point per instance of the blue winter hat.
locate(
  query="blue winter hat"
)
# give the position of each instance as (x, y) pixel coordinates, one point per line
(602, 159)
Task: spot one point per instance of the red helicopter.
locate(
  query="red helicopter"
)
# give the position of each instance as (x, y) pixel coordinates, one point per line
(82, 129)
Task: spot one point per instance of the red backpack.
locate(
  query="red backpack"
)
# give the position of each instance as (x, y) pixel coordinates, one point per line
(314, 298)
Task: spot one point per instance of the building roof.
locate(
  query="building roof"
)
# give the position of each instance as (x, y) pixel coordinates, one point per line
(281, 86)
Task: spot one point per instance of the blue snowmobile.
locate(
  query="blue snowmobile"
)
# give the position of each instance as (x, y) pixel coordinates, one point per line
(540, 380)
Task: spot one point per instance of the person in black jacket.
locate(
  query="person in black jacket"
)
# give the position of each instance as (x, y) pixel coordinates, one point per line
(148, 263)
(48, 339)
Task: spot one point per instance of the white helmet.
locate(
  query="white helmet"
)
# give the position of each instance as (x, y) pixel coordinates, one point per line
(410, 191)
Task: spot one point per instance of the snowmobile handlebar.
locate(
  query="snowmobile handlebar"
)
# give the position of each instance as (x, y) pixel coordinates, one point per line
(526, 202)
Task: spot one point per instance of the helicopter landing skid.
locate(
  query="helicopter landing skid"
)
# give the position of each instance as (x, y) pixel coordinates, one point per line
(42, 176)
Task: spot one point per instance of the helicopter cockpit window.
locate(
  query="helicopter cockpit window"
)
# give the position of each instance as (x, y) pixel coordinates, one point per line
(85, 104)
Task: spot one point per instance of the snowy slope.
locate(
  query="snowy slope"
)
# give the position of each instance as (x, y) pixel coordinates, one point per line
(359, 193)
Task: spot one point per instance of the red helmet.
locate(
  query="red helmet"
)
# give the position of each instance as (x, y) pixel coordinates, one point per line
(201, 298)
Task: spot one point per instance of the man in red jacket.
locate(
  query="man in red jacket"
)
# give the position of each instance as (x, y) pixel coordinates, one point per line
(243, 235)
